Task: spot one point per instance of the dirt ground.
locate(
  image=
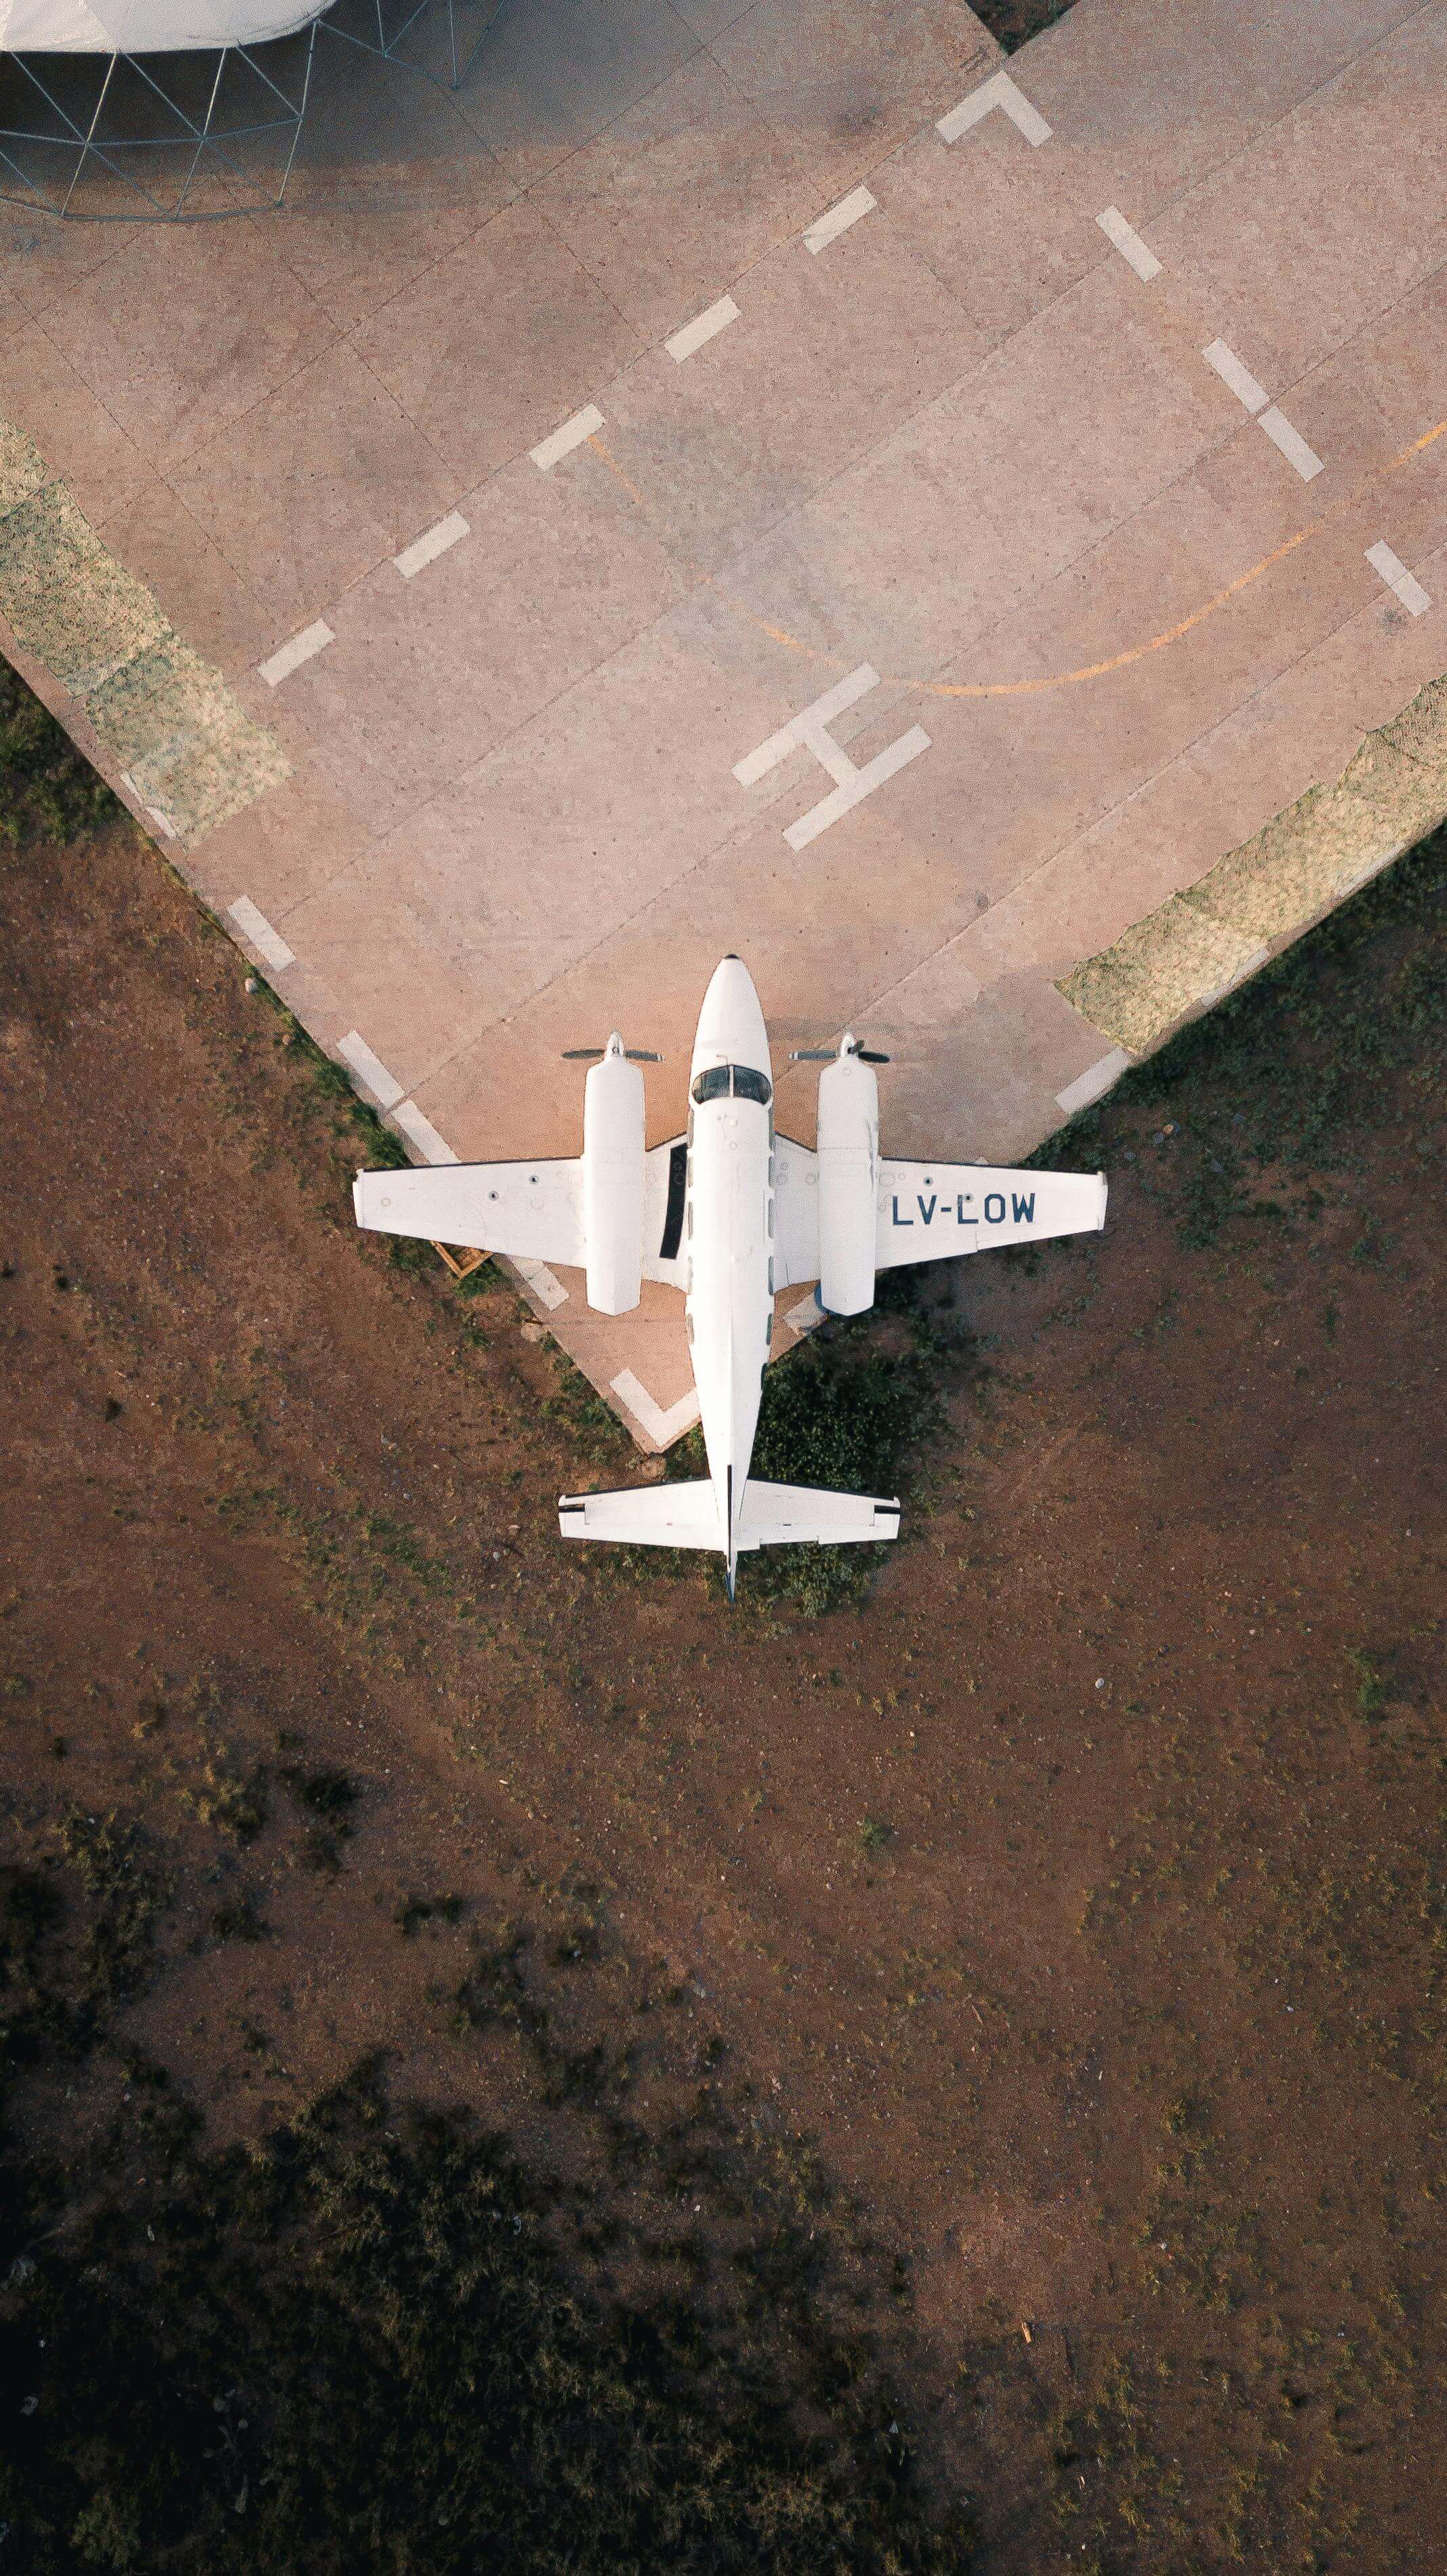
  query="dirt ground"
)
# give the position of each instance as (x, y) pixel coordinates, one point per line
(1078, 1894)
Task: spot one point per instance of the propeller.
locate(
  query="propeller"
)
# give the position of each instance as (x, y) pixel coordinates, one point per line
(848, 1045)
(615, 1046)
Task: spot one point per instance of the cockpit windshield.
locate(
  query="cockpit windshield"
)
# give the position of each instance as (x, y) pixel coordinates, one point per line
(732, 1082)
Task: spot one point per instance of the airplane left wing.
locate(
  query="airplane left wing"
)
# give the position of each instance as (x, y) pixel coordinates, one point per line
(532, 1211)
(935, 1211)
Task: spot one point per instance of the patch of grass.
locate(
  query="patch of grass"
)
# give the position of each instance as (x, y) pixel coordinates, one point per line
(1371, 1683)
(578, 1411)
(47, 792)
(353, 2348)
(413, 1911)
(326, 1796)
(874, 1834)
(238, 1919)
(234, 1802)
(1285, 1079)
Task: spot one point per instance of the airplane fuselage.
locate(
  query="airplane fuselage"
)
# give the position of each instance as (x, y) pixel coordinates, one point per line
(729, 1227)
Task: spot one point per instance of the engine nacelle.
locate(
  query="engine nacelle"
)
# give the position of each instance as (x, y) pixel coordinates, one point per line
(848, 1145)
(613, 1161)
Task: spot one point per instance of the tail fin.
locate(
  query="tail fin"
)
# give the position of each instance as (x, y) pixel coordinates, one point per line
(648, 1516)
(788, 1515)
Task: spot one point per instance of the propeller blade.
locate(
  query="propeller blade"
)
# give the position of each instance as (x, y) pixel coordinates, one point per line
(870, 1055)
(582, 1055)
(642, 1055)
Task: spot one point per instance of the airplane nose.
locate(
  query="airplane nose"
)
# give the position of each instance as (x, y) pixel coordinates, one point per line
(731, 1022)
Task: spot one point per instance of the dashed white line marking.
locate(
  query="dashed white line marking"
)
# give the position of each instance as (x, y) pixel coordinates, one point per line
(584, 424)
(420, 1132)
(827, 228)
(999, 91)
(703, 327)
(806, 732)
(1129, 244)
(370, 1070)
(1097, 1078)
(1240, 379)
(253, 925)
(1291, 443)
(432, 543)
(1396, 576)
(660, 1426)
(312, 639)
(542, 1282)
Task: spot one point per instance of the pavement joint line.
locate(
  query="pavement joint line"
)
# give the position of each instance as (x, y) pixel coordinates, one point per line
(827, 228)
(254, 927)
(1127, 240)
(1291, 443)
(419, 1131)
(291, 655)
(432, 543)
(1096, 1080)
(660, 1426)
(703, 328)
(998, 91)
(370, 1070)
(1397, 578)
(583, 425)
(1234, 373)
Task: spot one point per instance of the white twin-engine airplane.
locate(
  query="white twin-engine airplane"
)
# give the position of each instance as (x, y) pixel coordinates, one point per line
(730, 1213)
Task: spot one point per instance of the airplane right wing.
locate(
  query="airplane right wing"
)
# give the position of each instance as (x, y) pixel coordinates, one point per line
(928, 1211)
(530, 1211)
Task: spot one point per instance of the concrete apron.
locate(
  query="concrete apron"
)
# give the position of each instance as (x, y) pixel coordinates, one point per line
(943, 532)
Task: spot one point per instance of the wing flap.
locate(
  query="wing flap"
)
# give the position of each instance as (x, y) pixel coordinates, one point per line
(937, 1211)
(665, 1177)
(796, 1213)
(532, 1211)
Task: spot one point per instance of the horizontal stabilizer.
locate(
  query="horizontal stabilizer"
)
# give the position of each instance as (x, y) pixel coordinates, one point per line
(647, 1516)
(791, 1515)
(769, 1516)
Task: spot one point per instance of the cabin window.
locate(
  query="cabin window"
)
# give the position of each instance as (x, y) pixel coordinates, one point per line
(732, 1081)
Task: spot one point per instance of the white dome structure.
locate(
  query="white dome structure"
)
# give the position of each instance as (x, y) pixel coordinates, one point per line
(147, 26)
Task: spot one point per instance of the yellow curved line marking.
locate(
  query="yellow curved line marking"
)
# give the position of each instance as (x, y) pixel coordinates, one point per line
(1056, 679)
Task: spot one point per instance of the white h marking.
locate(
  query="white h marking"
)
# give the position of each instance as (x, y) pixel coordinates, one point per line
(808, 732)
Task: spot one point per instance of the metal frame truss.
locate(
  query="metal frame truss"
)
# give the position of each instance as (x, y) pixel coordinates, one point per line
(139, 148)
